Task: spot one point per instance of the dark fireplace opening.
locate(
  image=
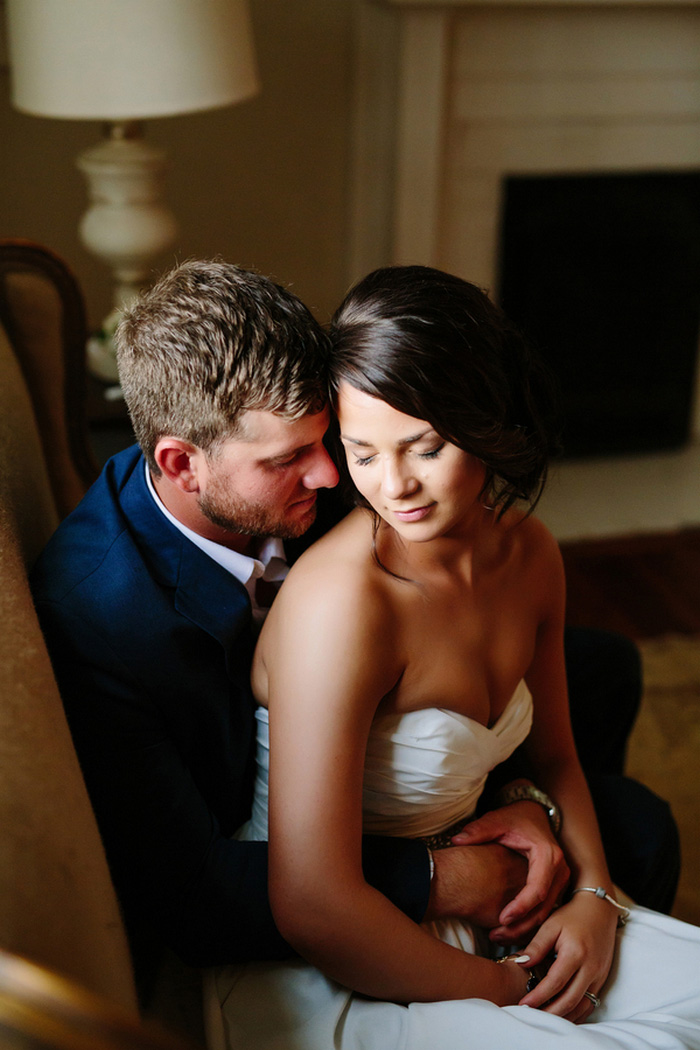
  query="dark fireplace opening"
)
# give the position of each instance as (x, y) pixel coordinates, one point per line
(602, 272)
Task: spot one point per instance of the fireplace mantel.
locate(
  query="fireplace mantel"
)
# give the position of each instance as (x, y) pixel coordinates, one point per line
(446, 5)
(452, 95)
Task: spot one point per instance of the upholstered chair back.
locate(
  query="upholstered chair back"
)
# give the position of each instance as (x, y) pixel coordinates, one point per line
(46, 464)
(57, 903)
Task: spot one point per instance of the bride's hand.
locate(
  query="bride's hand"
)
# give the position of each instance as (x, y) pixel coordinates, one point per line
(581, 938)
(524, 828)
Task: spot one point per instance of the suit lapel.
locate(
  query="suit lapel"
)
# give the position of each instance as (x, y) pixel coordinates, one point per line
(204, 592)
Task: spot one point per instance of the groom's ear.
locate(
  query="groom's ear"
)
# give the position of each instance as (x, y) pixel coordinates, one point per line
(179, 462)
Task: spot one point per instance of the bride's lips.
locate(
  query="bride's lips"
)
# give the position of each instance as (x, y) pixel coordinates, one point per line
(414, 514)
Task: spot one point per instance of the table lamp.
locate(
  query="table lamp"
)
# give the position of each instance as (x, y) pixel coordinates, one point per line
(120, 62)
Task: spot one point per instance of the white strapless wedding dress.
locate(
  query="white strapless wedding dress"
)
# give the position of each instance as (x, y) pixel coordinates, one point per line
(425, 771)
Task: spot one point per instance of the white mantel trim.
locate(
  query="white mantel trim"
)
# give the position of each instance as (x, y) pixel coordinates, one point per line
(404, 52)
(397, 136)
(423, 64)
(393, 213)
(447, 4)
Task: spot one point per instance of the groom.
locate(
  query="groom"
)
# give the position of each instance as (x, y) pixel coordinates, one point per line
(149, 594)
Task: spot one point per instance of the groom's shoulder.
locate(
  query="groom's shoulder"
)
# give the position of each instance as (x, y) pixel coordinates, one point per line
(85, 538)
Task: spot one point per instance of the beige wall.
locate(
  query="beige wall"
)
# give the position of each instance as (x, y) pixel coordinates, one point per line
(264, 184)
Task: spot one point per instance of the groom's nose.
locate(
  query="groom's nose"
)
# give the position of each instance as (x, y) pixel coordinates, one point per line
(321, 472)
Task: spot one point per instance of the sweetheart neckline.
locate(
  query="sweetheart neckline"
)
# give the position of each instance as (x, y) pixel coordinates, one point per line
(395, 717)
(519, 692)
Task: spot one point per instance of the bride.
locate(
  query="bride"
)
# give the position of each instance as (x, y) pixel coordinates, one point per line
(410, 651)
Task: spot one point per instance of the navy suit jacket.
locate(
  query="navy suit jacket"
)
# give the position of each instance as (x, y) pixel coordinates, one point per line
(151, 644)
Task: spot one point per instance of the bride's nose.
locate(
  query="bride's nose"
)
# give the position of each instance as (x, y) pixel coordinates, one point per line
(398, 478)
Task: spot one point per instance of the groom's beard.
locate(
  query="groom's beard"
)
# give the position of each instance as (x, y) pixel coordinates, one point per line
(253, 519)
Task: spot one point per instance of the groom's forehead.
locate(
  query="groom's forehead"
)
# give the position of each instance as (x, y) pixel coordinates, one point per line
(270, 435)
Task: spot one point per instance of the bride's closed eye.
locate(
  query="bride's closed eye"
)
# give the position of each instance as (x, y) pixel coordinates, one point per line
(434, 453)
(363, 461)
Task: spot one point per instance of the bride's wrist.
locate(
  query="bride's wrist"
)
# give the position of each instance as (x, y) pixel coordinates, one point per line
(519, 979)
(620, 912)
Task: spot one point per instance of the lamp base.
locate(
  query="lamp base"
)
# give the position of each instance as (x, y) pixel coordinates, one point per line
(127, 224)
(101, 356)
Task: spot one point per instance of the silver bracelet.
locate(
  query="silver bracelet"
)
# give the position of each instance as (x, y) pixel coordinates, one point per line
(624, 913)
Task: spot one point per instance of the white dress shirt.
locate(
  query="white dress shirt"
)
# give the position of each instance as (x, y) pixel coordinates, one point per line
(270, 564)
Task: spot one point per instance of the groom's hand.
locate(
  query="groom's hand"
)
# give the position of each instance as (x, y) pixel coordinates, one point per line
(523, 827)
(475, 883)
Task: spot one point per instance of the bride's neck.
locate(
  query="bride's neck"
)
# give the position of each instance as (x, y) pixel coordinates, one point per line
(462, 549)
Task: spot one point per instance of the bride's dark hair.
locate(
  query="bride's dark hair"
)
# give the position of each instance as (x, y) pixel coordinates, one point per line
(435, 347)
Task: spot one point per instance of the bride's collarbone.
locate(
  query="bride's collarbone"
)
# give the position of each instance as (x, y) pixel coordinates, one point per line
(458, 582)
(451, 610)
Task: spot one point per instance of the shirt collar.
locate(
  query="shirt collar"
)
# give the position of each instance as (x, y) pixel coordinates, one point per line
(271, 563)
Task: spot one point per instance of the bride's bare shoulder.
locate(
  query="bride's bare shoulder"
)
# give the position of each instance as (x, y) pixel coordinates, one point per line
(338, 567)
(528, 536)
(334, 609)
(349, 542)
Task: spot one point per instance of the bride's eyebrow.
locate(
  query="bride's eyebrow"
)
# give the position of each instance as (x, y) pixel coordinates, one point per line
(355, 441)
(418, 437)
(402, 441)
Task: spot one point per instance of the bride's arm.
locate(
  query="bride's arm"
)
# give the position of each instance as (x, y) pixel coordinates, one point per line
(329, 661)
(582, 932)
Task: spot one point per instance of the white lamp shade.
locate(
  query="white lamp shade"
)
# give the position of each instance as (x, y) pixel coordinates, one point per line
(129, 59)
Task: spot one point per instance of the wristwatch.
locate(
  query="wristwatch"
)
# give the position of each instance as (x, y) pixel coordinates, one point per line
(529, 793)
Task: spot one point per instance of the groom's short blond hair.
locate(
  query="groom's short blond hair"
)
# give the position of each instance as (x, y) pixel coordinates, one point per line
(210, 341)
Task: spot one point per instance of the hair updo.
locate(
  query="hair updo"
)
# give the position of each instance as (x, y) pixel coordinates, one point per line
(435, 347)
